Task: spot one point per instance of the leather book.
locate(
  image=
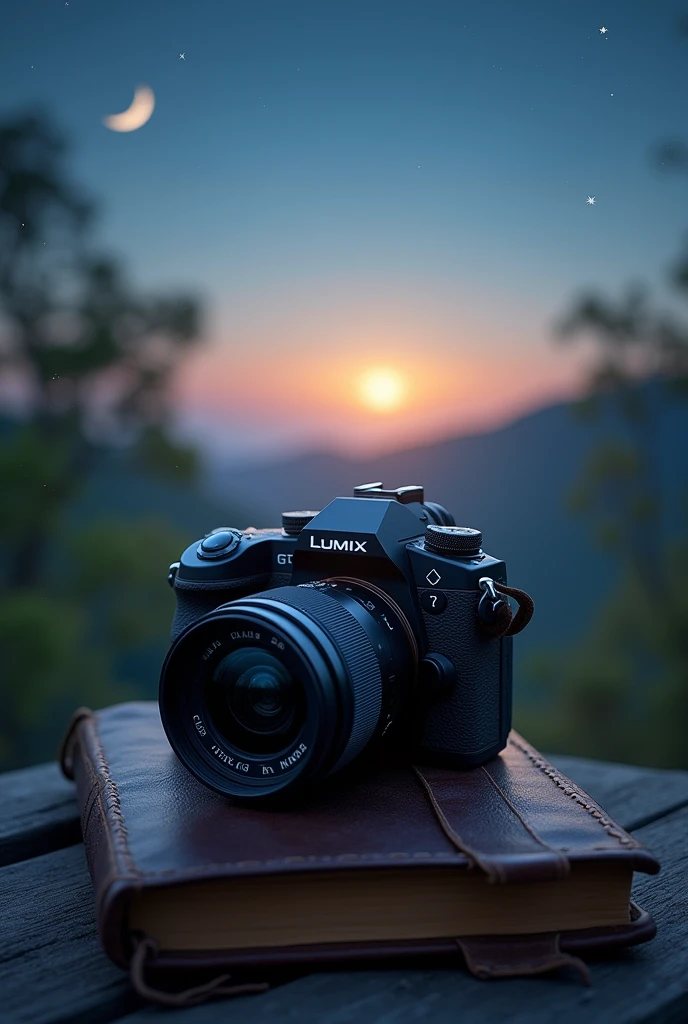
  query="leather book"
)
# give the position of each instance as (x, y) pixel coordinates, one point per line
(509, 867)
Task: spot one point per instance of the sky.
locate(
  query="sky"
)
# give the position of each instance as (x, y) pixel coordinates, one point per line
(368, 185)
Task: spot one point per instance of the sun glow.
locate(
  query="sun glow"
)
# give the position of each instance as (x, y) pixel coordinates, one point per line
(382, 389)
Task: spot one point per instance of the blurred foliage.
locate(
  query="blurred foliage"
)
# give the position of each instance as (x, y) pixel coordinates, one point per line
(80, 637)
(119, 568)
(622, 692)
(83, 614)
(156, 453)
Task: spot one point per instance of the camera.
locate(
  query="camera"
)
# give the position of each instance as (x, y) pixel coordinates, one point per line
(376, 624)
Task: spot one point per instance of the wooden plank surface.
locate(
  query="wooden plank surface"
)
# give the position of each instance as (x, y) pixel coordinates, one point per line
(38, 813)
(51, 965)
(53, 970)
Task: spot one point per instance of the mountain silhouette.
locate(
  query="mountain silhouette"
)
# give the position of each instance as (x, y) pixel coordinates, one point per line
(511, 483)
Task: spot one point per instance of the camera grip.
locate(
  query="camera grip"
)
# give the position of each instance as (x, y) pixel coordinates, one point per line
(195, 600)
(472, 722)
(192, 604)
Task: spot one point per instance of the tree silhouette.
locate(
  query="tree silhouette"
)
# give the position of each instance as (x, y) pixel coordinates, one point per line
(91, 358)
(640, 363)
(623, 692)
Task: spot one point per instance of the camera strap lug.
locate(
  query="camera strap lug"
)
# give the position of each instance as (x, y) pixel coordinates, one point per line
(490, 604)
(494, 613)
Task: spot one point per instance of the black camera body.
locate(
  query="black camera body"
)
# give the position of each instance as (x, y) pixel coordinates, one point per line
(296, 647)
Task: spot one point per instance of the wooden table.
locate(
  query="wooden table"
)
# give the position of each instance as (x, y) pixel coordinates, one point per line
(53, 970)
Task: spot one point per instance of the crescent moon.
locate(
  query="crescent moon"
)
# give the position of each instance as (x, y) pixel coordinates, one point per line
(135, 116)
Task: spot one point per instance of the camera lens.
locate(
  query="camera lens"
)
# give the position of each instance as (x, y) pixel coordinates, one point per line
(289, 685)
(254, 699)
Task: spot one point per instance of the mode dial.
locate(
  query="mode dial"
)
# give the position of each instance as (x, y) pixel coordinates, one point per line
(453, 540)
(294, 522)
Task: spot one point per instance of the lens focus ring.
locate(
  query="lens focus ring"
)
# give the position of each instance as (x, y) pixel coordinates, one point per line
(358, 655)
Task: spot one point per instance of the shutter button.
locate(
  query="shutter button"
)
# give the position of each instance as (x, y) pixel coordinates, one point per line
(218, 544)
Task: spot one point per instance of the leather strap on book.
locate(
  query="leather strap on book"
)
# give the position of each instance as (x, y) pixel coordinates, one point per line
(510, 956)
(146, 951)
(483, 823)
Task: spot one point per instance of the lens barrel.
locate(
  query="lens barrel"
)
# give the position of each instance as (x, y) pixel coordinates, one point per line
(269, 691)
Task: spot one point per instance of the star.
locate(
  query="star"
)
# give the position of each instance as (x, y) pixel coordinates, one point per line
(182, 56)
(590, 200)
(603, 31)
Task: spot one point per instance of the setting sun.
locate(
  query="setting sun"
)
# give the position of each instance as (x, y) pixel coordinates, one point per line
(382, 389)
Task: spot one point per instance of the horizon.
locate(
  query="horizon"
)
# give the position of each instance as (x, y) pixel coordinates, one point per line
(263, 451)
